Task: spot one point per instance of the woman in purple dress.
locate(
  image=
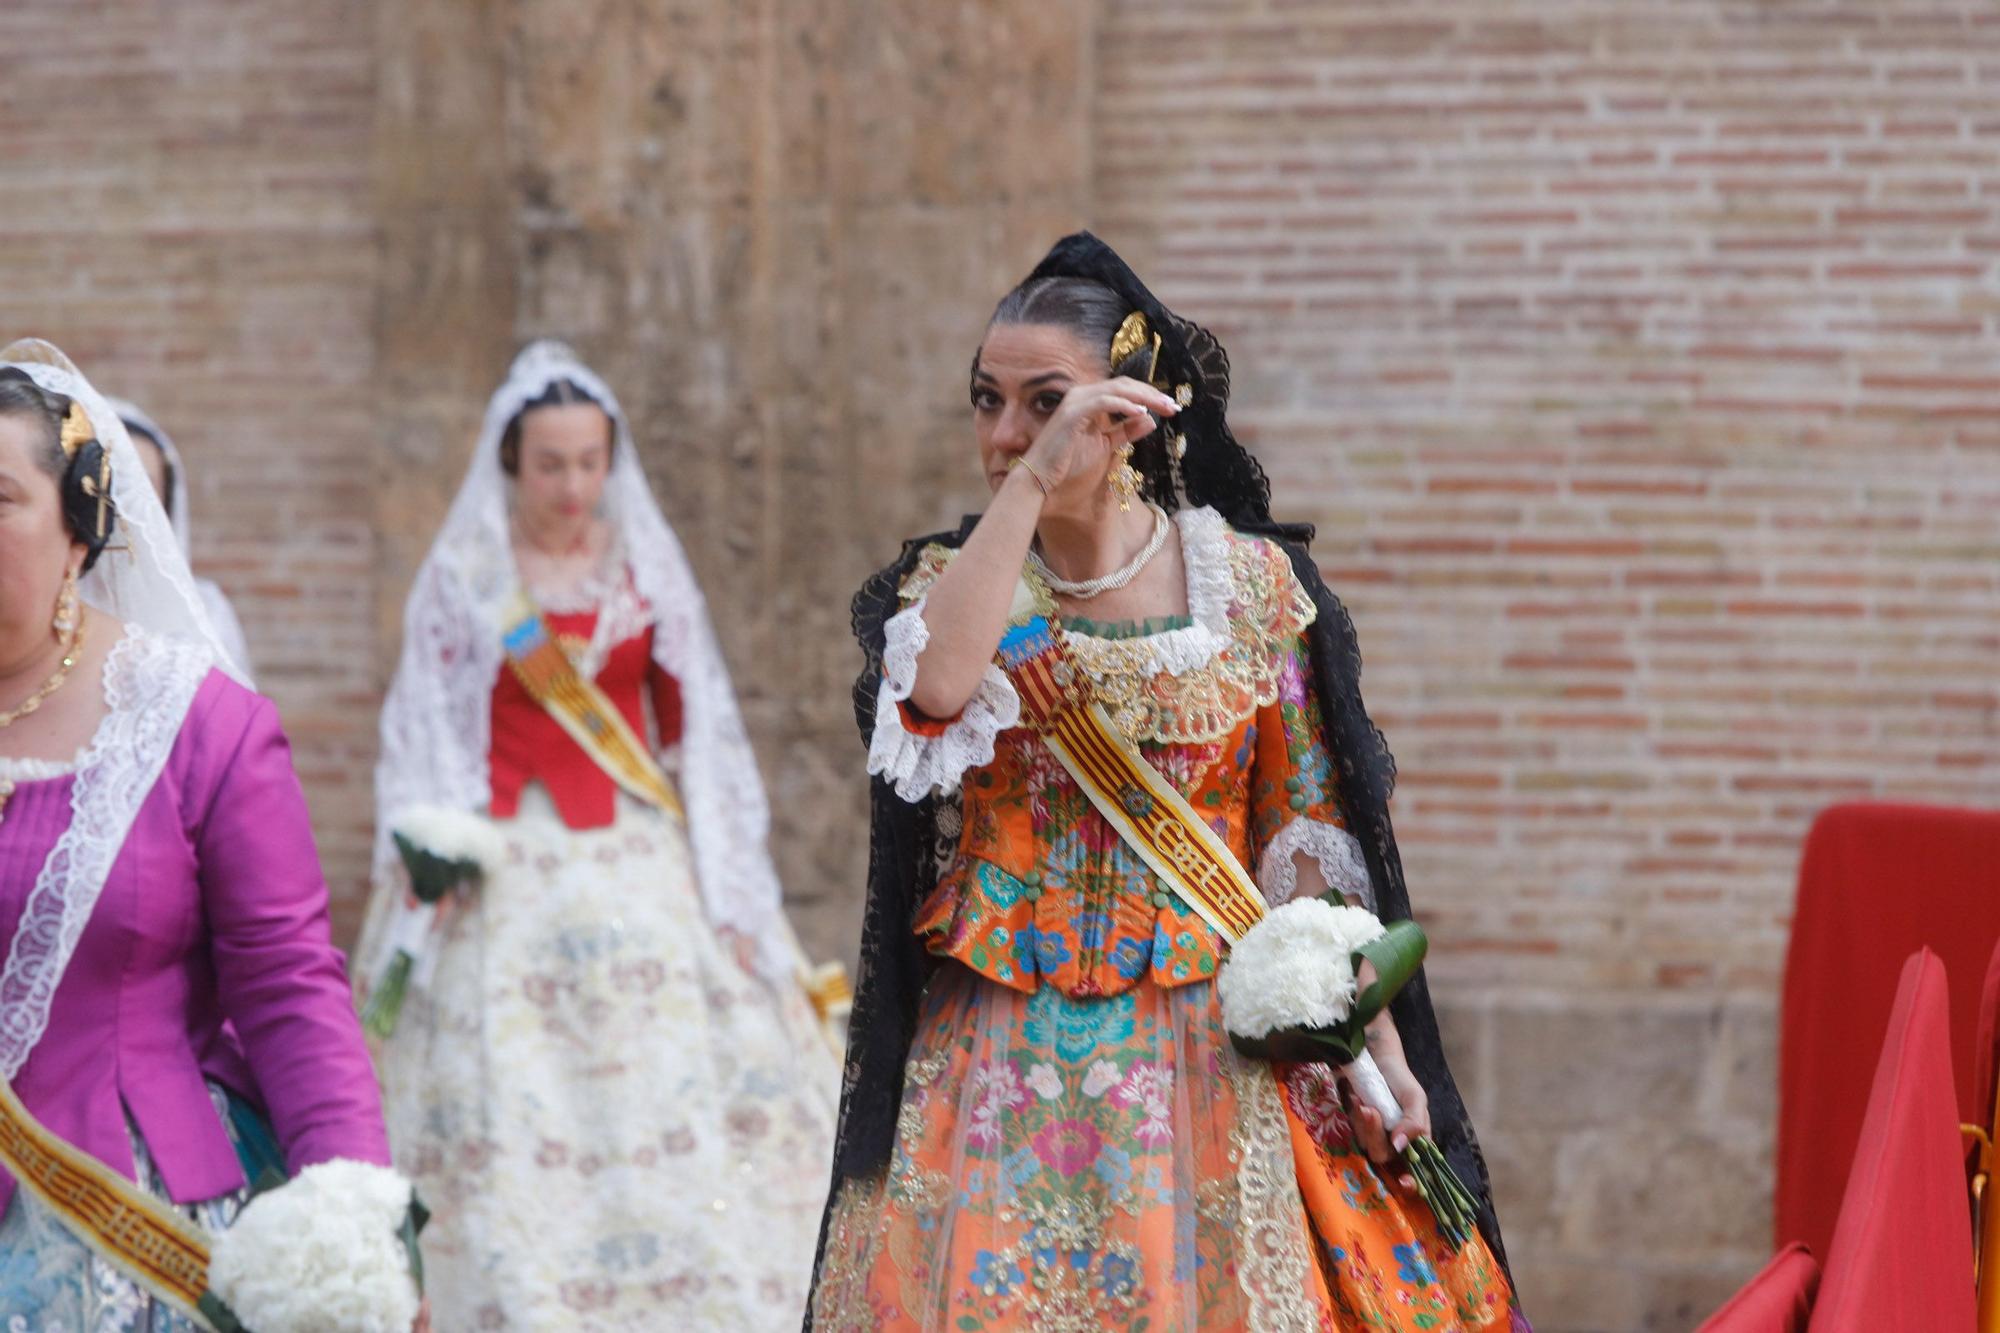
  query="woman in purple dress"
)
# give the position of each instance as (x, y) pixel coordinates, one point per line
(170, 999)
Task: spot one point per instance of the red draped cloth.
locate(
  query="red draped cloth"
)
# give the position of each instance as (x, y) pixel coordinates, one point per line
(1877, 883)
(1901, 1258)
(1777, 1300)
(1986, 1050)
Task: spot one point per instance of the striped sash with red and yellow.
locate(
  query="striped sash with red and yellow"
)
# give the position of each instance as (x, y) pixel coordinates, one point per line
(1058, 701)
(583, 710)
(118, 1221)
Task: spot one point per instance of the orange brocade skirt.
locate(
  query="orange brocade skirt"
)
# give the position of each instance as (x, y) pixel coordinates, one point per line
(1075, 1164)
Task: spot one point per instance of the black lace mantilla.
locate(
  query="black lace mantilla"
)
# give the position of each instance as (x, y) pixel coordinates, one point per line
(909, 843)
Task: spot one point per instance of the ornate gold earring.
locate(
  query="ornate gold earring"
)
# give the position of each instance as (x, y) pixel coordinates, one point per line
(1124, 479)
(65, 621)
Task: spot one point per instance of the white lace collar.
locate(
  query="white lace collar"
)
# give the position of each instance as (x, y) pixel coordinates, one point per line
(149, 681)
(1205, 558)
(22, 769)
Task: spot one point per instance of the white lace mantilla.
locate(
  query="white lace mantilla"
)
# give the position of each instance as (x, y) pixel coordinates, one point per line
(437, 719)
(149, 682)
(1336, 850)
(222, 618)
(142, 578)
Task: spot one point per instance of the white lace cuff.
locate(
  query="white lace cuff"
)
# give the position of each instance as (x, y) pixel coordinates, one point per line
(1341, 863)
(916, 764)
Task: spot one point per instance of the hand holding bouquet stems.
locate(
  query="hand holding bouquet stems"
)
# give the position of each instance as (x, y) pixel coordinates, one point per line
(444, 851)
(1291, 991)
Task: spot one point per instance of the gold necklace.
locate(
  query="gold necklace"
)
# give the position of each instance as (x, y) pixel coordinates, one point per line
(72, 649)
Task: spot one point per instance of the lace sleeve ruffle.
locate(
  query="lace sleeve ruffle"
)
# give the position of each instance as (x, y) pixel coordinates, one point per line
(916, 763)
(1339, 856)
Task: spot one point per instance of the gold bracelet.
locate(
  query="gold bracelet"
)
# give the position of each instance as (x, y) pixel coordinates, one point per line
(1041, 482)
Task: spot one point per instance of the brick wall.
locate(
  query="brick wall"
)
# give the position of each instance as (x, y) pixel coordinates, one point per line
(1638, 363)
(185, 208)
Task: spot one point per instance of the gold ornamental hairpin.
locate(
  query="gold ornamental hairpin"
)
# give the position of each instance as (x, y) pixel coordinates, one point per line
(98, 488)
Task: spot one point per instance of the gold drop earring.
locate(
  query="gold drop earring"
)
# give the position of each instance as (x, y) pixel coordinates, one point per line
(65, 619)
(1124, 479)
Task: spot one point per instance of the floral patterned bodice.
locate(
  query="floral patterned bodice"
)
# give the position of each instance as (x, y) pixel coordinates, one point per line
(1042, 889)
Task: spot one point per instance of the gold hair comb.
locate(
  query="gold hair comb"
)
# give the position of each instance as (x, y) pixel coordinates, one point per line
(76, 429)
(1132, 336)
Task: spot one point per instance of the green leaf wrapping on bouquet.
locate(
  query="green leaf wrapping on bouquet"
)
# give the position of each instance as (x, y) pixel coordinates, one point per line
(414, 1222)
(219, 1316)
(1396, 955)
(385, 1001)
(433, 876)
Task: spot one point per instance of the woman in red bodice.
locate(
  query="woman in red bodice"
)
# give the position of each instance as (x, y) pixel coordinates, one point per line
(604, 1071)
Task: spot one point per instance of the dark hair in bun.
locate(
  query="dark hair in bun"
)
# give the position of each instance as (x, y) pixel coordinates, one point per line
(77, 476)
(560, 393)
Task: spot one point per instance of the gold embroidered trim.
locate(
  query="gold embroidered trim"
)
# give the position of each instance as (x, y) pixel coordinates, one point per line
(1268, 610)
(930, 565)
(1273, 1263)
(853, 1246)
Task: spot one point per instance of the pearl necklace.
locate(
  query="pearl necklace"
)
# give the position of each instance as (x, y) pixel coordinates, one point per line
(1117, 578)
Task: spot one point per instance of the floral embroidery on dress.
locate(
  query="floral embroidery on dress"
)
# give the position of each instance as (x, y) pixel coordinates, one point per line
(1042, 890)
(1079, 1147)
(1087, 1164)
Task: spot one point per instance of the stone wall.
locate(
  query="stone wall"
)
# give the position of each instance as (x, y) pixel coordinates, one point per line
(1637, 361)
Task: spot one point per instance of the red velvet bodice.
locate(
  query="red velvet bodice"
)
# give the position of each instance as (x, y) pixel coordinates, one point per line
(530, 746)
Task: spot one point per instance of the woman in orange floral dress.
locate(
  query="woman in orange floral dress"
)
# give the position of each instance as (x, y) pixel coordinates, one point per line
(1045, 1125)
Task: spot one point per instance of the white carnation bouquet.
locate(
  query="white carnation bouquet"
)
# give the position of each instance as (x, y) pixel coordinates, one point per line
(332, 1251)
(1291, 990)
(444, 850)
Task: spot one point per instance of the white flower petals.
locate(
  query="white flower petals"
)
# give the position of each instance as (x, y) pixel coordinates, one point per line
(1294, 968)
(453, 835)
(321, 1254)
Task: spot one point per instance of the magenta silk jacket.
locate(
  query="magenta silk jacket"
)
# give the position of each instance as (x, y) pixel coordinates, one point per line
(208, 956)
